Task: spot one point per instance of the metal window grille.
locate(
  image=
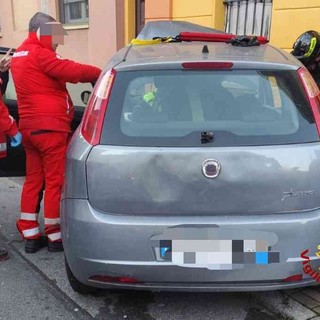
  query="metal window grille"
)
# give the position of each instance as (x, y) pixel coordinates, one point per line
(74, 11)
(251, 17)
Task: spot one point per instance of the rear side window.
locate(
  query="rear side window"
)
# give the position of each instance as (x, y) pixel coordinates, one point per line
(239, 107)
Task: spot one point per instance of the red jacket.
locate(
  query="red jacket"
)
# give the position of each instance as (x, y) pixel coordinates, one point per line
(7, 127)
(40, 77)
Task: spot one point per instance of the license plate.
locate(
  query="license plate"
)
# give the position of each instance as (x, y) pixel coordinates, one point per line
(217, 253)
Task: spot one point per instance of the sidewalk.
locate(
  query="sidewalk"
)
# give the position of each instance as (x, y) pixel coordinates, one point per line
(308, 297)
(295, 304)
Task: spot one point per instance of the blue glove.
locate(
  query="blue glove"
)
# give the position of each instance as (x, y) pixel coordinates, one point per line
(16, 140)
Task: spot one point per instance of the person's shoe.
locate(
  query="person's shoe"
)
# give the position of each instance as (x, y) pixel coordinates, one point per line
(3, 254)
(55, 246)
(34, 245)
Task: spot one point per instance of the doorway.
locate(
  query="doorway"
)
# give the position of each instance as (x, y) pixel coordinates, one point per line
(140, 15)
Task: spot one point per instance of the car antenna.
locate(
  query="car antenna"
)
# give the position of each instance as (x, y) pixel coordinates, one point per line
(205, 49)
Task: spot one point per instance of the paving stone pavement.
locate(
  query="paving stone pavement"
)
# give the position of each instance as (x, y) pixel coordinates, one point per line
(308, 297)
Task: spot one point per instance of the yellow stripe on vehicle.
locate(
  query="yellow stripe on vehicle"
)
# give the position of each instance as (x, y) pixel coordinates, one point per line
(149, 41)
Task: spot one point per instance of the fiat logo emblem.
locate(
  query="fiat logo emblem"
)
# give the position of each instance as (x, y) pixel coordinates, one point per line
(211, 168)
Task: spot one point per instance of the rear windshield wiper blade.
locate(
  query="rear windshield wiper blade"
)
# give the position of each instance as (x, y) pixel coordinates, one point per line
(206, 136)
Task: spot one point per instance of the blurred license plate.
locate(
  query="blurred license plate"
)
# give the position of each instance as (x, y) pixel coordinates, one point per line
(216, 252)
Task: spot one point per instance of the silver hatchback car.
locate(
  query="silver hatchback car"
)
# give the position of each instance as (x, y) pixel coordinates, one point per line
(195, 167)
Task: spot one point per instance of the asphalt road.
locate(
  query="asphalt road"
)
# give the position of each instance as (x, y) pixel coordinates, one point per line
(26, 294)
(35, 287)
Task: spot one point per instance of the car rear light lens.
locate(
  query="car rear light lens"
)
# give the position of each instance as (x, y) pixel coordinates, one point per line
(313, 94)
(114, 279)
(296, 277)
(91, 125)
(207, 65)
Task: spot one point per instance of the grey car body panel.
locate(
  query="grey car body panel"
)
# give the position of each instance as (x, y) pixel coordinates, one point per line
(125, 248)
(116, 59)
(76, 186)
(168, 65)
(165, 54)
(169, 181)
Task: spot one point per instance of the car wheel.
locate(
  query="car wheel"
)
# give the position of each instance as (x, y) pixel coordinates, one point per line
(75, 284)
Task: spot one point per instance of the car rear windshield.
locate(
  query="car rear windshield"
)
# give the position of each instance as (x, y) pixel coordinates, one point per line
(208, 108)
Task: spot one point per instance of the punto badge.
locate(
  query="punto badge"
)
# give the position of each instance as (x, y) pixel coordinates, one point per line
(211, 168)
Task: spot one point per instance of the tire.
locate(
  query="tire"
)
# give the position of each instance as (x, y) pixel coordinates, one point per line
(75, 284)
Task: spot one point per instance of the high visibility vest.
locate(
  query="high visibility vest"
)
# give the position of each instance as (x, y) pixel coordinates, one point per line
(149, 98)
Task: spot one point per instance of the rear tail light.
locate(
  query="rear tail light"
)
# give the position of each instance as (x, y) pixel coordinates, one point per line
(91, 125)
(296, 277)
(109, 279)
(313, 94)
(207, 65)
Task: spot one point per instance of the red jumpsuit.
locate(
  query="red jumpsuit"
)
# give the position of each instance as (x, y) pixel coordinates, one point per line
(7, 127)
(45, 111)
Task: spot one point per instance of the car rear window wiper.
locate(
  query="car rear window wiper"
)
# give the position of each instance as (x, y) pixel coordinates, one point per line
(206, 136)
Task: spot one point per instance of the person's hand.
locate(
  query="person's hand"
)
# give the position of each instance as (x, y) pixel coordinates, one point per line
(16, 140)
(5, 62)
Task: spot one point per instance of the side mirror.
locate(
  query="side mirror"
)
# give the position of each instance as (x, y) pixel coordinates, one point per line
(85, 96)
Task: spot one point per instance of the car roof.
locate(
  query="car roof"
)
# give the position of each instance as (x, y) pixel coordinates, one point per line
(172, 55)
(163, 28)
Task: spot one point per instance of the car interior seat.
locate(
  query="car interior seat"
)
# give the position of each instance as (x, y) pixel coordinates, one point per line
(219, 103)
(173, 100)
(252, 109)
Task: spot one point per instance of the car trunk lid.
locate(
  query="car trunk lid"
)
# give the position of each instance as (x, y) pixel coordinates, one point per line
(170, 181)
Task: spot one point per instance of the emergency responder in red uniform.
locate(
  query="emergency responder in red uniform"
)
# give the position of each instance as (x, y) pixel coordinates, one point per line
(45, 114)
(7, 127)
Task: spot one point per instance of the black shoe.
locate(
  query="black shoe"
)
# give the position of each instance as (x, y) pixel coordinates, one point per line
(3, 254)
(34, 245)
(55, 246)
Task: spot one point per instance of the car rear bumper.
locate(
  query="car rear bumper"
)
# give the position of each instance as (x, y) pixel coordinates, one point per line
(209, 287)
(99, 244)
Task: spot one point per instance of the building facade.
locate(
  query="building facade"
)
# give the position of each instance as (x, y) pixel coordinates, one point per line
(98, 28)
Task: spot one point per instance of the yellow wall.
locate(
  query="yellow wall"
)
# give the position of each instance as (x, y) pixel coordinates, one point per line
(97, 43)
(129, 20)
(209, 13)
(158, 10)
(290, 18)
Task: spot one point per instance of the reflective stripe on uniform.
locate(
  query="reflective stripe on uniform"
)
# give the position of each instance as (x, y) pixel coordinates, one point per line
(51, 221)
(54, 236)
(31, 232)
(3, 146)
(29, 216)
(11, 118)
